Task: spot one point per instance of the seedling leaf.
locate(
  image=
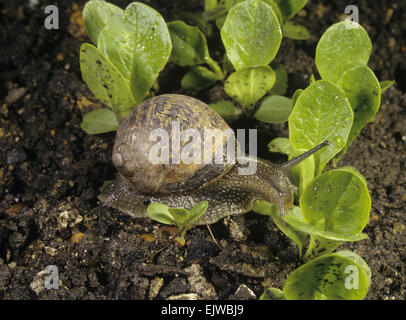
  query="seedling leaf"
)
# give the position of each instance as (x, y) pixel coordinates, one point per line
(364, 93)
(180, 216)
(197, 78)
(385, 85)
(268, 209)
(227, 110)
(281, 145)
(104, 80)
(295, 31)
(197, 211)
(343, 46)
(249, 85)
(160, 212)
(274, 109)
(251, 34)
(337, 201)
(139, 46)
(290, 7)
(329, 277)
(322, 112)
(189, 44)
(99, 121)
(281, 83)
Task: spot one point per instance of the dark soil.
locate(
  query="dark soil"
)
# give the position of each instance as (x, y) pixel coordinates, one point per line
(51, 171)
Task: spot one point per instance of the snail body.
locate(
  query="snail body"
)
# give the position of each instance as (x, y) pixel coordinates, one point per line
(183, 185)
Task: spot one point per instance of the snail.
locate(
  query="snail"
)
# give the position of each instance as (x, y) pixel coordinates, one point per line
(140, 181)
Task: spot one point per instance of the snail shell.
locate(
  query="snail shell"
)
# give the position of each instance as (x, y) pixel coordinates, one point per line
(133, 145)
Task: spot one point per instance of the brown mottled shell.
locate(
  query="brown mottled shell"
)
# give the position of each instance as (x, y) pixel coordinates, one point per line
(132, 147)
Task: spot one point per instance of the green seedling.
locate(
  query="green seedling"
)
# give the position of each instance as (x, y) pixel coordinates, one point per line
(342, 46)
(283, 9)
(335, 208)
(339, 276)
(190, 50)
(323, 110)
(294, 31)
(342, 56)
(251, 35)
(180, 217)
(289, 8)
(132, 47)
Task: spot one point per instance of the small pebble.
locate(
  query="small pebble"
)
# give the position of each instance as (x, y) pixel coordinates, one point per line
(15, 156)
(77, 237)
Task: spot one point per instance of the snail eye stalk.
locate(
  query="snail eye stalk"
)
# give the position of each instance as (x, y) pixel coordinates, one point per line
(293, 162)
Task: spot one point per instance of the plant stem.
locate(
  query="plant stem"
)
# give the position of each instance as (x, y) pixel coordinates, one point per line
(215, 68)
(319, 246)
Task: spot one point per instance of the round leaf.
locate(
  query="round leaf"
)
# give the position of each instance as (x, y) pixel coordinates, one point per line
(329, 277)
(281, 145)
(189, 44)
(274, 109)
(343, 46)
(337, 201)
(99, 121)
(249, 85)
(363, 91)
(160, 212)
(251, 34)
(322, 112)
(295, 31)
(227, 110)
